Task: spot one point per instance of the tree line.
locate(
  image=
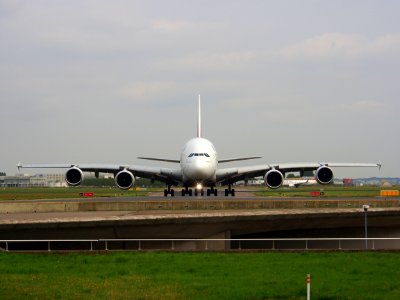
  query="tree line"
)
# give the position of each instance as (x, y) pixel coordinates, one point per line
(109, 182)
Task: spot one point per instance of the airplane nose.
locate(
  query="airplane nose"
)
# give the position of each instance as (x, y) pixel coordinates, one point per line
(201, 169)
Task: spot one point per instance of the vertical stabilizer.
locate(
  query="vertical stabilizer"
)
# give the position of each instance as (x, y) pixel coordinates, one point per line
(199, 120)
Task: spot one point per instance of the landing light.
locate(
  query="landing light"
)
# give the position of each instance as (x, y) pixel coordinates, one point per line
(199, 186)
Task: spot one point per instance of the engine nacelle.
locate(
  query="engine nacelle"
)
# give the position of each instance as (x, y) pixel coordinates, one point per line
(324, 175)
(74, 176)
(273, 179)
(124, 180)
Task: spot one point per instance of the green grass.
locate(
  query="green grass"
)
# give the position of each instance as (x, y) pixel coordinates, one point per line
(329, 191)
(158, 275)
(70, 192)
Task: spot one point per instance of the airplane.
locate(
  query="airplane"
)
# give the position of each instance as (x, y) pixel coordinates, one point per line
(199, 168)
(297, 182)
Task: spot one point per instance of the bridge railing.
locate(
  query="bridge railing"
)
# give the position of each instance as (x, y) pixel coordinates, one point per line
(201, 244)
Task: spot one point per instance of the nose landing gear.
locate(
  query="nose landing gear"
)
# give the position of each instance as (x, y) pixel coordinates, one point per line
(187, 191)
(212, 191)
(199, 192)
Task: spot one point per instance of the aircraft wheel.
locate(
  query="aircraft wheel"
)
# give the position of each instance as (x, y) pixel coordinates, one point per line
(183, 192)
(233, 192)
(226, 192)
(201, 192)
(208, 192)
(215, 192)
(190, 193)
(165, 193)
(172, 193)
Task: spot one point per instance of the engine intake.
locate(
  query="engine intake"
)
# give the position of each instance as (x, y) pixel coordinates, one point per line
(273, 179)
(324, 175)
(124, 179)
(74, 176)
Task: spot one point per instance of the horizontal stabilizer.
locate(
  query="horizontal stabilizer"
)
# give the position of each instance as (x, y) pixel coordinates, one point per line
(237, 159)
(160, 159)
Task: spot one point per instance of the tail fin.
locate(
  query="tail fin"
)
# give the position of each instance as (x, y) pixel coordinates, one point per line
(199, 120)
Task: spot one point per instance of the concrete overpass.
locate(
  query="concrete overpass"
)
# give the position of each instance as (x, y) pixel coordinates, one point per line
(199, 218)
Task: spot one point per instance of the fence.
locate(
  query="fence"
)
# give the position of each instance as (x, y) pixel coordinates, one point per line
(202, 244)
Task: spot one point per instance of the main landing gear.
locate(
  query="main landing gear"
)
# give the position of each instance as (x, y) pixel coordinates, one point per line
(169, 191)
(212, 191)
(229, 190)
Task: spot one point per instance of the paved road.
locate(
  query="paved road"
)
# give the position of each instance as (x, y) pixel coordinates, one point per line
(98, 216)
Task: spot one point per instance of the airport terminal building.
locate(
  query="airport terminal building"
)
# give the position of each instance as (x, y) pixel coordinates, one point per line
(37, 180)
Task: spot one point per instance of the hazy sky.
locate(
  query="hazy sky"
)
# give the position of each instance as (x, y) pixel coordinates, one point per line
(291, 81)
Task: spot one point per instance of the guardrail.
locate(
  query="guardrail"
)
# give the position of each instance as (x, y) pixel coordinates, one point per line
(201, 244)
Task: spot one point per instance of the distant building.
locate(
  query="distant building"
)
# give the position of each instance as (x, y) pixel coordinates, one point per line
(22, 180)
(56, 180)
(386, 183)
(37, 180)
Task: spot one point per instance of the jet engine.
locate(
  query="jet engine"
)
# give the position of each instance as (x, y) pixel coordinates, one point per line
(324, 175)
(74, 176)
(124, 179)
(273, 179)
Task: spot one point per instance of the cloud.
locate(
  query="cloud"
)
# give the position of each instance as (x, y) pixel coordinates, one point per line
(362, 106)
(172, 25)
(216, 61)
(148, 91)
(340, 45)
(387, 44)
(80, 27)
(10, 7)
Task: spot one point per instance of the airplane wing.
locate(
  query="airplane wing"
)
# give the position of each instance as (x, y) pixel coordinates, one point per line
(219, 161)
(167, 175)
(161, 159)
(237, 159)
(232, 175)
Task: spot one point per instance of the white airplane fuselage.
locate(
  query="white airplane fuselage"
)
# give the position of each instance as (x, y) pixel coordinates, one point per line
(199, 162)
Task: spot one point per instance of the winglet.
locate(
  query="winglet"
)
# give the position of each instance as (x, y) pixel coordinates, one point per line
(19, 166)
(199, 120)
(379, 165)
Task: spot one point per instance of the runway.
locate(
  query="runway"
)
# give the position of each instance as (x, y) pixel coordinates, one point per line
(198, 198)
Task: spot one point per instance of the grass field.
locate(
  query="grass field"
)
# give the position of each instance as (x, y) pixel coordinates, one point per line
(158, 275)
(70, 192)
(328, 191)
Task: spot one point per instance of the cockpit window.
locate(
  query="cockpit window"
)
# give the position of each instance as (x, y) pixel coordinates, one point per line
(199, 154)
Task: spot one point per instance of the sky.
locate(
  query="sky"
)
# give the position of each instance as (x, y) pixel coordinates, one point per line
(95, 81)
